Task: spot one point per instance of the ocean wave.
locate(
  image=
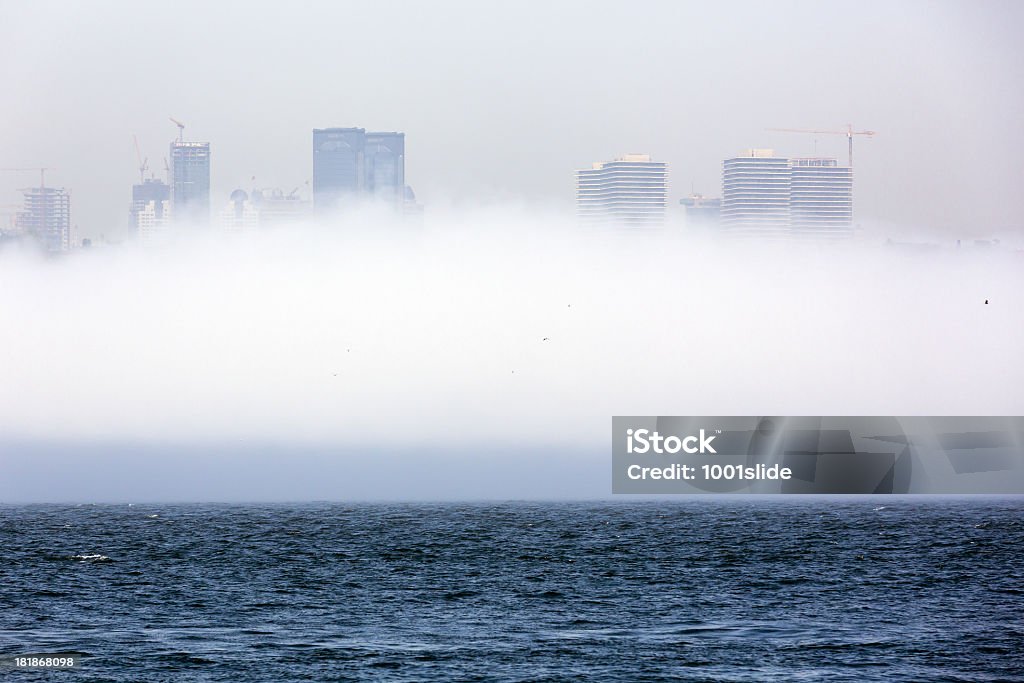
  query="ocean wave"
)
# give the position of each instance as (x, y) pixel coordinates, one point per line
(91, 557)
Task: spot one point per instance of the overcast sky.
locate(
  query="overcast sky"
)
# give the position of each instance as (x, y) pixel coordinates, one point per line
(502, 101)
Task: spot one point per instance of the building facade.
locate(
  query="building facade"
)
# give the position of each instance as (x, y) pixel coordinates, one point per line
(755, 194)
(153, 194)
(352, 166)
(630, 191)
(384, 157)
(764, 195)
(820, 198)
(47, 217)
(153, 223)
(190, 182)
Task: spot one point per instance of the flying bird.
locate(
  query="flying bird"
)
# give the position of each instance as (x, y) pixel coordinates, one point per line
(986, 302)
(546, 339)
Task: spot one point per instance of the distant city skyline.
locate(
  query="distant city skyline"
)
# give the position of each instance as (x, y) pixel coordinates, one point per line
(763, 194)
(502, 104)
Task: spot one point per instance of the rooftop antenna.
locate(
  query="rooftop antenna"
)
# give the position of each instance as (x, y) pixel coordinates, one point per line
(181, 128)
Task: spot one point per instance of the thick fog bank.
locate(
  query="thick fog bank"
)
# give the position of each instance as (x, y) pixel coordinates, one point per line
(492, 327)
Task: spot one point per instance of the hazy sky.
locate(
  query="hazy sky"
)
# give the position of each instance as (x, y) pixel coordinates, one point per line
(502, 101)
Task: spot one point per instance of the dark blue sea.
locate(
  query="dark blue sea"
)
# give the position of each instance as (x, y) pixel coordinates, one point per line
(916, 589)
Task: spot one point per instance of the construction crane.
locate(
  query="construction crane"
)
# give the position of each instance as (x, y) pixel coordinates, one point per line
(849, 133)
(42, 173)
(143, 163)
(181, 128)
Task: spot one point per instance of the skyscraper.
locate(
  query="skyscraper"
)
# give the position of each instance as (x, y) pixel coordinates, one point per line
(820, 198)
(351, 166)
(385, 167)
(337, 166)
(630, 191)
(190, 182)
(47, 216)
(755, 194)
(765, 195)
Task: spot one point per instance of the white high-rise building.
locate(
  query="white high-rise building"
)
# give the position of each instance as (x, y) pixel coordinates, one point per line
(755, 194)
(820, 198)
(764, 195)
(47, 217)
(631, 191)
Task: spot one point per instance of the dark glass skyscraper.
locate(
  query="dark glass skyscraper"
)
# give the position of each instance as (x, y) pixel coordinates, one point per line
(385, 166)
(352, 166)
(190, 182)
